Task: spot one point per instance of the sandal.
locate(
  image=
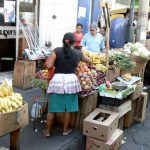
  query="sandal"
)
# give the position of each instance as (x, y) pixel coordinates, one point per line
(67, 133)
(46, 134)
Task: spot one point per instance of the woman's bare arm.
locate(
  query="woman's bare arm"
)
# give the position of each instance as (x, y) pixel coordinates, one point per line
(50, 61)
(86, 59)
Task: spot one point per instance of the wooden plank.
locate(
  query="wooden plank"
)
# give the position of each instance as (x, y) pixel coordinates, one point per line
(15, 140)
(120, 123)
(86, 106)
(141, 107)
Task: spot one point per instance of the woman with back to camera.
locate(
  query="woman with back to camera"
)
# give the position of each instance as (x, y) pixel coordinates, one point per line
(78, 35)
(64, 86)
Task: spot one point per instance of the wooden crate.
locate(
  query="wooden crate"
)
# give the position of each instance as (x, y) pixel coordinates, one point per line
(86, 106)
(122, 109)
(14, 120)
(141, 107)
(129, 117)
(137, 112)
(23, 73)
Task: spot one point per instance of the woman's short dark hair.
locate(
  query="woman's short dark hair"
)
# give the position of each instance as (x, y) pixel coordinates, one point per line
(79, 24)
(68, 41)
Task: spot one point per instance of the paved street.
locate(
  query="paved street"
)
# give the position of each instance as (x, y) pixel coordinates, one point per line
(137, 137)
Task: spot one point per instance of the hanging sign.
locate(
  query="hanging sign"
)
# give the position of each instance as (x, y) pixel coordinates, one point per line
(7, 32)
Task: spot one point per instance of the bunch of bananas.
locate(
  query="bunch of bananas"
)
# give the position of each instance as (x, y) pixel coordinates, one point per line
(11, 103)
(5, 89)
(96, 58)
(101, 68)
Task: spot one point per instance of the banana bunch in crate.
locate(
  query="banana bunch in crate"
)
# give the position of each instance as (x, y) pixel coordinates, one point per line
(9, 101)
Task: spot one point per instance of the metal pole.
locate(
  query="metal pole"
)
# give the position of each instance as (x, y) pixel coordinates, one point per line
(130, 30)
(142, 21)
(17, 29)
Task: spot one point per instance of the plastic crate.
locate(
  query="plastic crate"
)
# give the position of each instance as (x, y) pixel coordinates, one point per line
(112, 101)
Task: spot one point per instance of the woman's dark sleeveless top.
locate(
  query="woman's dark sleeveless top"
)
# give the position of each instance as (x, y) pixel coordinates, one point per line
(66, 65)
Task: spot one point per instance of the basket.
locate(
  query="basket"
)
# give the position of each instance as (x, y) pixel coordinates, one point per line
(140, 64)
(123, 72)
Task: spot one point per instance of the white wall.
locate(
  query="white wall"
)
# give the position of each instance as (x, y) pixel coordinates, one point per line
(66, 19)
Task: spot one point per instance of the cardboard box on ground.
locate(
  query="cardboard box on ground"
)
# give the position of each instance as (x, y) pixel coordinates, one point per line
(101, 124)
(113, 143)
(12, 121)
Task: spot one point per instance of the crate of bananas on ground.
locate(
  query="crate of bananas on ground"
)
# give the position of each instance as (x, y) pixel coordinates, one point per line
(13, 110)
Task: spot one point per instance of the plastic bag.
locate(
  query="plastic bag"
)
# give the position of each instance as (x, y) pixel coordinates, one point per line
(36, 111)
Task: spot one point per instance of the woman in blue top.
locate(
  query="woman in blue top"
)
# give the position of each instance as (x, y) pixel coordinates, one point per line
(93, 40)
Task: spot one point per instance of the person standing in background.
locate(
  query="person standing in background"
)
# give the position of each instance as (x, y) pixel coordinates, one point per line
(103, 33)
(78, 35)
(93, 40)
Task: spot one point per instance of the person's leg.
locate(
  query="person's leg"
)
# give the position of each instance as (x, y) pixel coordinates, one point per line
(67, 116)
(49, 124)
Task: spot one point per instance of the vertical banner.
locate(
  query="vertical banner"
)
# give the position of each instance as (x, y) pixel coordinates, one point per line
(84, 14)
(96, 11)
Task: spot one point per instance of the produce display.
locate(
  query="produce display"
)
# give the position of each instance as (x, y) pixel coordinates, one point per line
(9, 101)
(42, 74)
(90, 78)
(43, 84)
(98, 75)
(96, 58)
(88, 83)
(137, 49)
(41, 79)
(121, 61)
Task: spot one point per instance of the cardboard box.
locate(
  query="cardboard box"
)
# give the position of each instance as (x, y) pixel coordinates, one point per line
(138, 91)
(100, 124)
(113, 143)
(14, 120)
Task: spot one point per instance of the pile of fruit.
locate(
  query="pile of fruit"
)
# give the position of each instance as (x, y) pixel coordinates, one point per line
(98, 75)
(88, 83)
(9, 101)
(42, 74)
(96, 58)
(100, 67)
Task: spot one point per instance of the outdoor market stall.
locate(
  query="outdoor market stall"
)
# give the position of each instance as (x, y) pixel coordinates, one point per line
(13, 113)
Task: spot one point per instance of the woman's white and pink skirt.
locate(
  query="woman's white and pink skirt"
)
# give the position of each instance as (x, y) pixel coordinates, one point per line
(64, 84)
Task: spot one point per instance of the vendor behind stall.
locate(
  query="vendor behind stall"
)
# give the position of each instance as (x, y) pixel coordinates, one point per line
(78, 35)
(93, 40)
(64, 86)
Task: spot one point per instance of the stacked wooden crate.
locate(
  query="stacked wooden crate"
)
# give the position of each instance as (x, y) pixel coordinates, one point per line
(24, 71)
